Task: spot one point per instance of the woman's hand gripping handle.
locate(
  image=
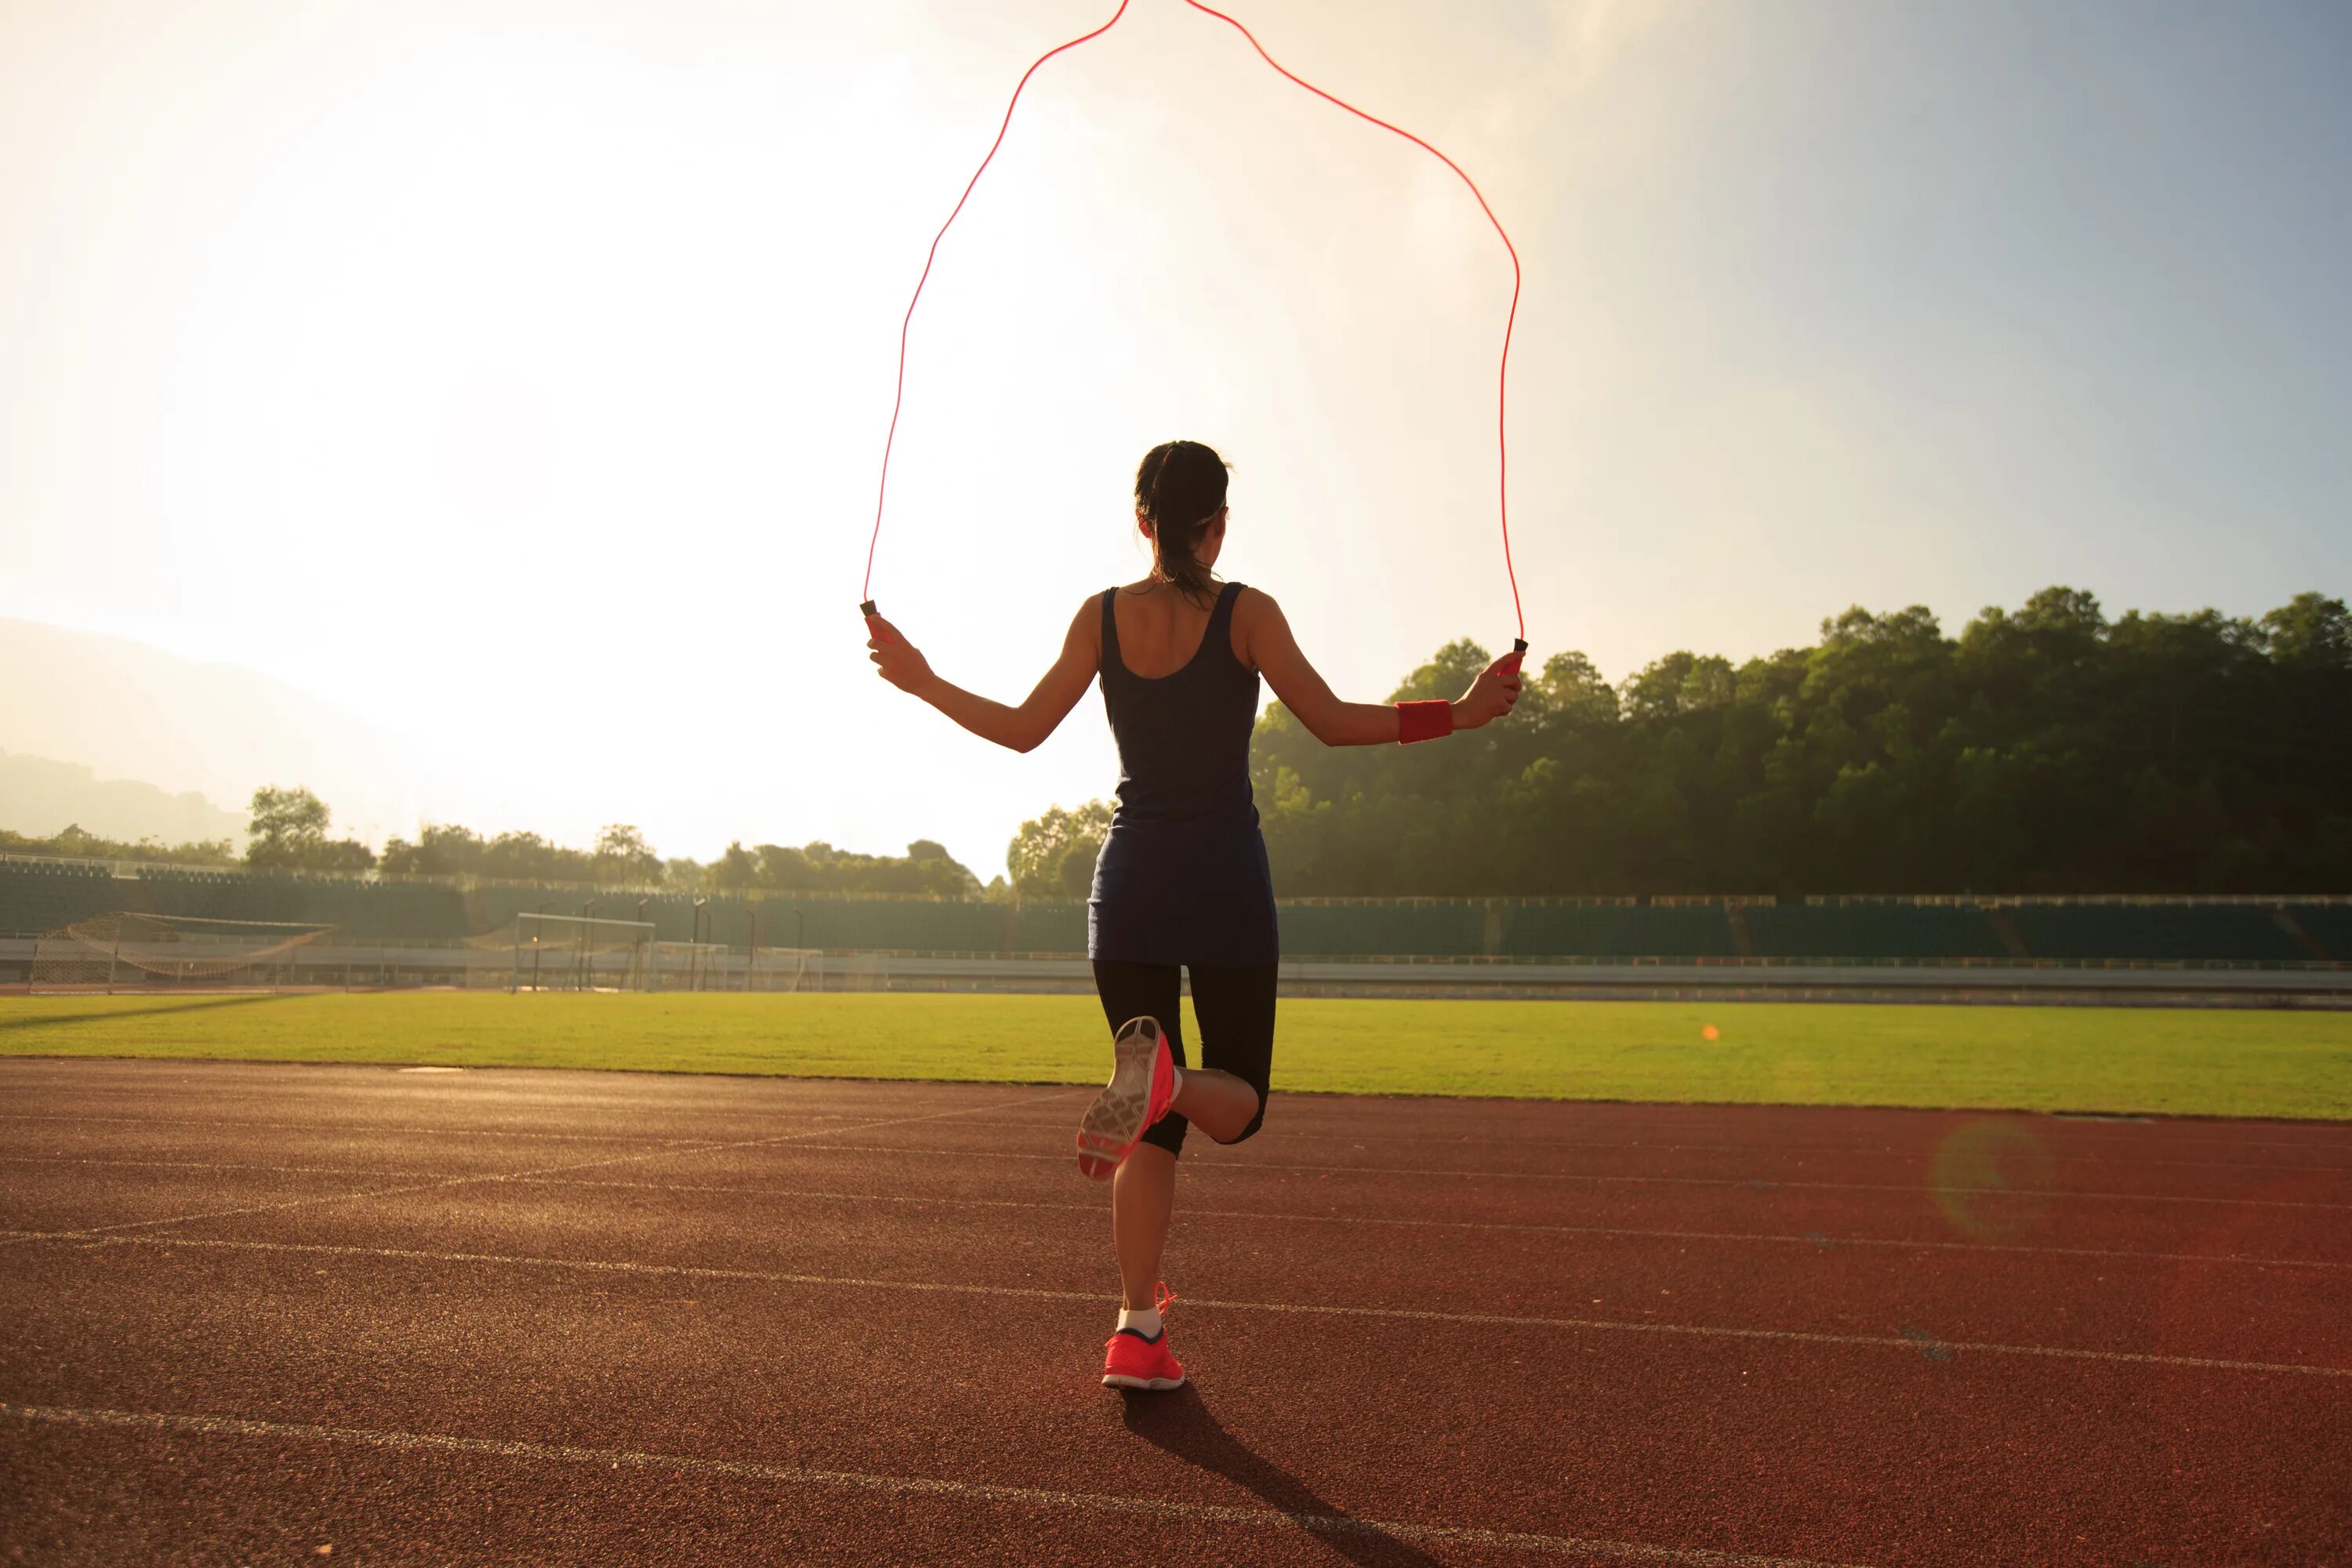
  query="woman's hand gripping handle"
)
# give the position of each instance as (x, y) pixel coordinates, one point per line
(897, 660)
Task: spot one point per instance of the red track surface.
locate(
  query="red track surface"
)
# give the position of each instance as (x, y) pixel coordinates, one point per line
(524, 1317)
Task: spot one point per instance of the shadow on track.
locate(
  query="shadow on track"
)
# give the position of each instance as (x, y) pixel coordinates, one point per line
(58, 1020)
(1179, 1422)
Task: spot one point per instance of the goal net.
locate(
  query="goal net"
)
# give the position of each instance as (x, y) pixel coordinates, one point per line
(153, 952)
(856, 971)
(784, 969)
(690, 966)
(575, 952)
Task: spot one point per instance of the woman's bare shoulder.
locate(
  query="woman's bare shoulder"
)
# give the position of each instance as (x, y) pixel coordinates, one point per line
(1256, 606)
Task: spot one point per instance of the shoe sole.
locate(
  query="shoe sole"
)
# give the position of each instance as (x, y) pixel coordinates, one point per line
(1114, 1120)
(1151, 1385)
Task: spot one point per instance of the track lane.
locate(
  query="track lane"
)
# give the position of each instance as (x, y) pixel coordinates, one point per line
(1507, 1429)
(1878, 1452)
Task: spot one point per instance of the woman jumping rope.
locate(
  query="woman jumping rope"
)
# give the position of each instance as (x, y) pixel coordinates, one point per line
(1182, 880)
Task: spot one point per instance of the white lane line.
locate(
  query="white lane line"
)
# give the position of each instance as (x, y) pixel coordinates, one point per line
(1706, 1146)
(906, 1486)
(1250, 1167)
(1819, 1241)
(359, 1129)
(1823, 1150)
(378, 1171)
(445, 1184)
(1317, 1107)
(1911, 1343)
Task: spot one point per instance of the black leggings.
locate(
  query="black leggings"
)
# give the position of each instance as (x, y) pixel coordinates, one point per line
(1235, 1006)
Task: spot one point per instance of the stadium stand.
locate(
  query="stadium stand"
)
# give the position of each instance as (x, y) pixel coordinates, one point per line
(2329, 925)
(1366, 930)
(38, 895)
(2243, 932)
(1616, 931)
(1051, 928)
(1873, 930)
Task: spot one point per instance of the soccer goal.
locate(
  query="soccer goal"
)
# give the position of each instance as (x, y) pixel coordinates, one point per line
(689, 966)
(153, 952)
(784, 969)
(576, 953)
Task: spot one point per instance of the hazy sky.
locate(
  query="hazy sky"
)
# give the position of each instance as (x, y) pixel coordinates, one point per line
(515, 373)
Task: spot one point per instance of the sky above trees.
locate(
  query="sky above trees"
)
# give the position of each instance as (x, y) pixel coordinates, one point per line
(516, 376)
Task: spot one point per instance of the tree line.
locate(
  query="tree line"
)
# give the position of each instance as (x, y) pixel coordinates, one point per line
(621, 857)
(2045, 750)
(289, 829)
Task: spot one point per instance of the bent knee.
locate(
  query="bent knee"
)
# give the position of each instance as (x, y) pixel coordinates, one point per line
(1249, 1130)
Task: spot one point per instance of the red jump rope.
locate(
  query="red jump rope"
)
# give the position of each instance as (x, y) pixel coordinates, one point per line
(1502, 447)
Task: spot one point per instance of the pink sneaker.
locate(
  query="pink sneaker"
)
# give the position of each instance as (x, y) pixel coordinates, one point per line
(1130, 1360)
(1142, 1083)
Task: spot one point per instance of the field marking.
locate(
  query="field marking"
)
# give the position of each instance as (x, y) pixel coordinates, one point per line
(359, 1129)
(1817, 1240)
(94, 1232)
(203, 1166)
(905, 1486)
(1243, 1168)
(1824, 1150)
(2079, 1126)
(1094, 1298)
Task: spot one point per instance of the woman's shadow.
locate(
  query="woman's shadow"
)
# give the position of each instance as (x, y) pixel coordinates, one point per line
(1179, 1422)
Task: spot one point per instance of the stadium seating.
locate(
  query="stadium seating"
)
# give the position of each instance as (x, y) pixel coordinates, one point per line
(1051, 928)
(2237, 931)
(1616, 931)
(2330, 926)
(35, 898)
(1413, 930)
(1873, 930)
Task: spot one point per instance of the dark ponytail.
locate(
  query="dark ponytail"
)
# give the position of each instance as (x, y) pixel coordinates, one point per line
(1180, 487)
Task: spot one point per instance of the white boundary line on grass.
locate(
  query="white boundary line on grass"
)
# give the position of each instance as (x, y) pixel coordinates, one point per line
(1819, 1241)
(1929, 1346)
(904, 1486)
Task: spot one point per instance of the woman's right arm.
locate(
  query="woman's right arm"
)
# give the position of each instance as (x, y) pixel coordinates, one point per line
(1025, 728)
(1266, 638)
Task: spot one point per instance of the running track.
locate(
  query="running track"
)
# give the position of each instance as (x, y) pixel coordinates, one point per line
(250, 1312)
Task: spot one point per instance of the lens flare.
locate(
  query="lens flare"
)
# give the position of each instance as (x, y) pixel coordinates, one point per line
(1992, 1178)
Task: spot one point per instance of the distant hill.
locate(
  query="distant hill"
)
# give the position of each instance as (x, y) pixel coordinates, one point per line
(39, 797)
(122, 710)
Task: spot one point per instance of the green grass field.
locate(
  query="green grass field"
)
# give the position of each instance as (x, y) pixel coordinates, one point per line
(2224, 1063)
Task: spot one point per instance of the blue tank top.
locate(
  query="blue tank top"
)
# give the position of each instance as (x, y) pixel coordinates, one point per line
(1182, 877)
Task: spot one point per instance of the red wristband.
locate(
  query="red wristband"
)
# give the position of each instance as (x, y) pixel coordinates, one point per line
(1423, 721)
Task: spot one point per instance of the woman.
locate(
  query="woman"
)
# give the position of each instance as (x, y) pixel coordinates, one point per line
(1182, 877)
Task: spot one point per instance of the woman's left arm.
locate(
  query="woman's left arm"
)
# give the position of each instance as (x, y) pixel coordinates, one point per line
(1023, 729)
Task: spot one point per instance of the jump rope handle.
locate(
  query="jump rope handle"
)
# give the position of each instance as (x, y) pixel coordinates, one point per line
(867, 610)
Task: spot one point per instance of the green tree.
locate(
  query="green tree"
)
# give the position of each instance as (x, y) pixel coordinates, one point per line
(72, 840)
(288, 831)
(442, 849)
(1053, 856)
(2310, 631)
(624, 856)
